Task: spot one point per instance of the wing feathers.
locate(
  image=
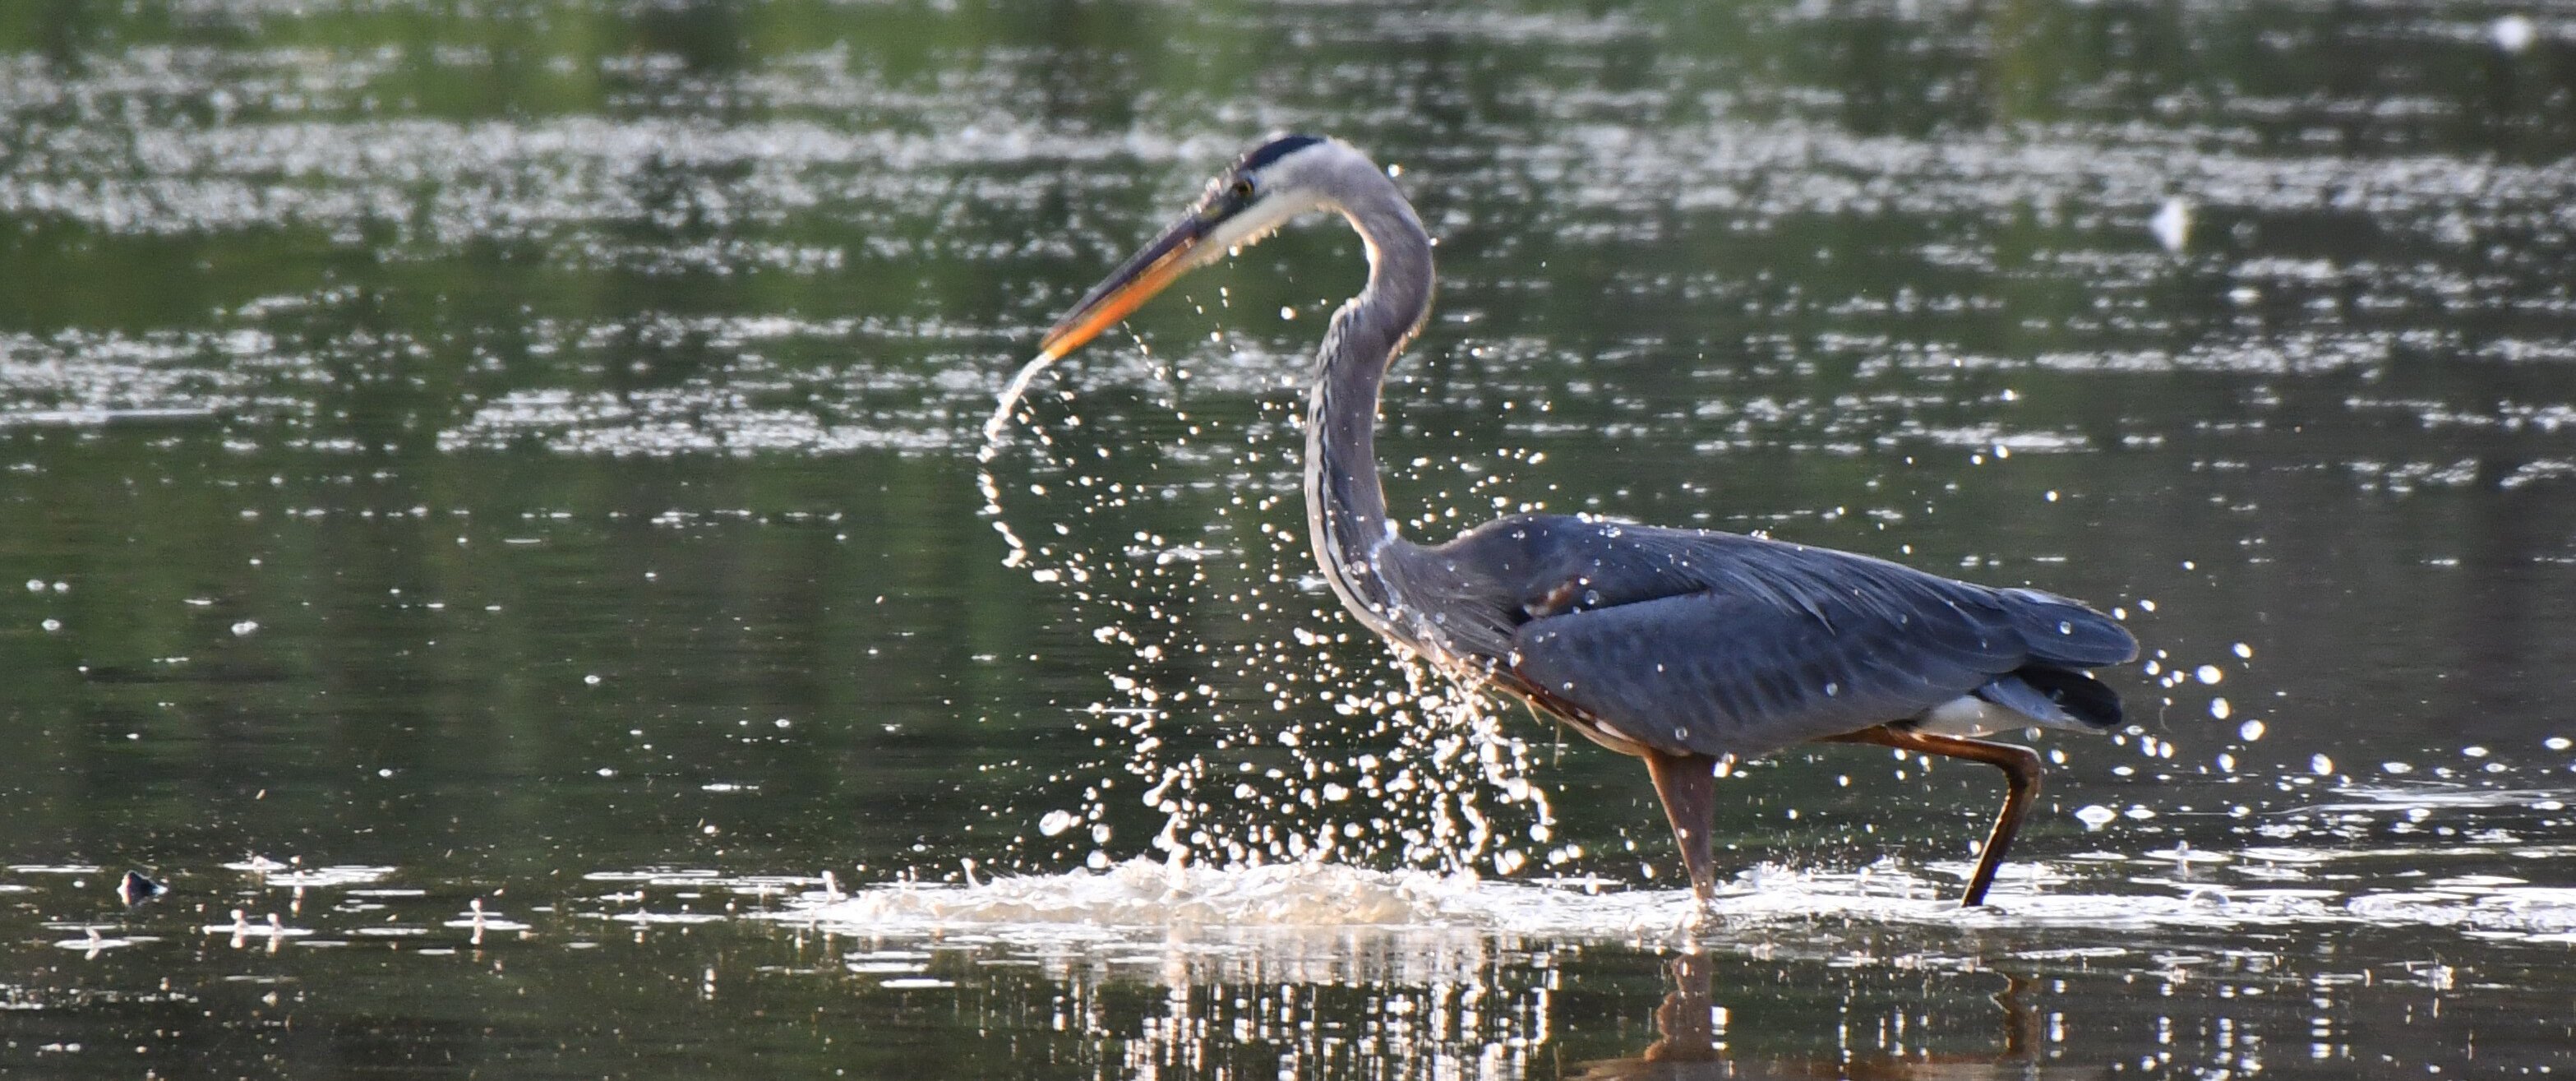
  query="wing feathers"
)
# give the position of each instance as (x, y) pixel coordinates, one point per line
(1728, 645)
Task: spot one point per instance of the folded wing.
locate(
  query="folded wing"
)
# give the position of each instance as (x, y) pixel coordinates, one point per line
(1754, 645)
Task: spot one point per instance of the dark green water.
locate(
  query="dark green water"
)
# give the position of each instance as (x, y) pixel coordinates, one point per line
(524, 454)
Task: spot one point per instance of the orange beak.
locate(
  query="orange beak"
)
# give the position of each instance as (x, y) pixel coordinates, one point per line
(1127, 288)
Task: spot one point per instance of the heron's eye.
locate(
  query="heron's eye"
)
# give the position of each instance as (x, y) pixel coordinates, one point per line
(1243, 189)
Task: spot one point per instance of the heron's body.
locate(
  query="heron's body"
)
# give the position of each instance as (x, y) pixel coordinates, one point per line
(1682, 647)
(1697, 642)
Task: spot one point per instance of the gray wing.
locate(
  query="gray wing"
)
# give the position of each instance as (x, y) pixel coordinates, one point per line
(1729, 645)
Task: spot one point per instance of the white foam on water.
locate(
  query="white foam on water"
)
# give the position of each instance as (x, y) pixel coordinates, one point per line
(2518, 911)
(1141, 901)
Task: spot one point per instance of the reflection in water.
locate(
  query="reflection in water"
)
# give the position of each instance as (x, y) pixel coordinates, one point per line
(1692, 1043)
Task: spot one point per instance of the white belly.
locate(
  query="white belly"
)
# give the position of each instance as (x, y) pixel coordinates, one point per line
(1970, 716)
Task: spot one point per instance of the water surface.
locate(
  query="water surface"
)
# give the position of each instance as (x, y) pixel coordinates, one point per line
(494, 499)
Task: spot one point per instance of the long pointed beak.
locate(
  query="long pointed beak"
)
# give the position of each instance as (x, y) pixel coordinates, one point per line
(1127, 288)
(1123, 291)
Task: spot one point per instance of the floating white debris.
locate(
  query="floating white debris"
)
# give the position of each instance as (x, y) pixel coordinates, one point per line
(350, 875)
(93, 943)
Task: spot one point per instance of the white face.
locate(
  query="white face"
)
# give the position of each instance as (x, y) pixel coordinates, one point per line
(1281, 190)
(1240, 207)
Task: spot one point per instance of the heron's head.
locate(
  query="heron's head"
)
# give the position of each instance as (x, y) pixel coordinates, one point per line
(1276, 181)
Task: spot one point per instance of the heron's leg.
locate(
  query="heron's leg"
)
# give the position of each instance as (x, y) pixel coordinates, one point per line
(2021, 786)
(1687, 784)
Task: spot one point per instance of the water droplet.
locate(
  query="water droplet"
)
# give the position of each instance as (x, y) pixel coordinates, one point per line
(2172, 224)
(2513, 33)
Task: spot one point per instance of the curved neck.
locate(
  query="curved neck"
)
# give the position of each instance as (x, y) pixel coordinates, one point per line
(1345, 506)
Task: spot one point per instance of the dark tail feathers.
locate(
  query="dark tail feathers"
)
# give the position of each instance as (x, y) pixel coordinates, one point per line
(2067, 634)
(2083, 697)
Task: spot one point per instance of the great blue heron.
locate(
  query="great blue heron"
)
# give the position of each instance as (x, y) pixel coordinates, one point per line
(1682, 647)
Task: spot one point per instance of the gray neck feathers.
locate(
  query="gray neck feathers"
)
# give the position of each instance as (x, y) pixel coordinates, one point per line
(1345, 507)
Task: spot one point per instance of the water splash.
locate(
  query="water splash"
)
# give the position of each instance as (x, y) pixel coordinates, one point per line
(1253, 723)
(1144, 901)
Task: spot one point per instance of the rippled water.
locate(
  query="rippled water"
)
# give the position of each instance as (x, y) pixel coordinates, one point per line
(497, 529)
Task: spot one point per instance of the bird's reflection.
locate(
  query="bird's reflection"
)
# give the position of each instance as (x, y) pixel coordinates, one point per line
(1689, 1048)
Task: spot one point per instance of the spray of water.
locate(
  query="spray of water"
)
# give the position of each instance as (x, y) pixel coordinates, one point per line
(1245, 720)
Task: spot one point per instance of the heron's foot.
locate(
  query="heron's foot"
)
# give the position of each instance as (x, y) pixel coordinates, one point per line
(1703, 911)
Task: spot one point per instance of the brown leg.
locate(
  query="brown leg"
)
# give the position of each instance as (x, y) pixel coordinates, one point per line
(2021, 786)
(1688, 786)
